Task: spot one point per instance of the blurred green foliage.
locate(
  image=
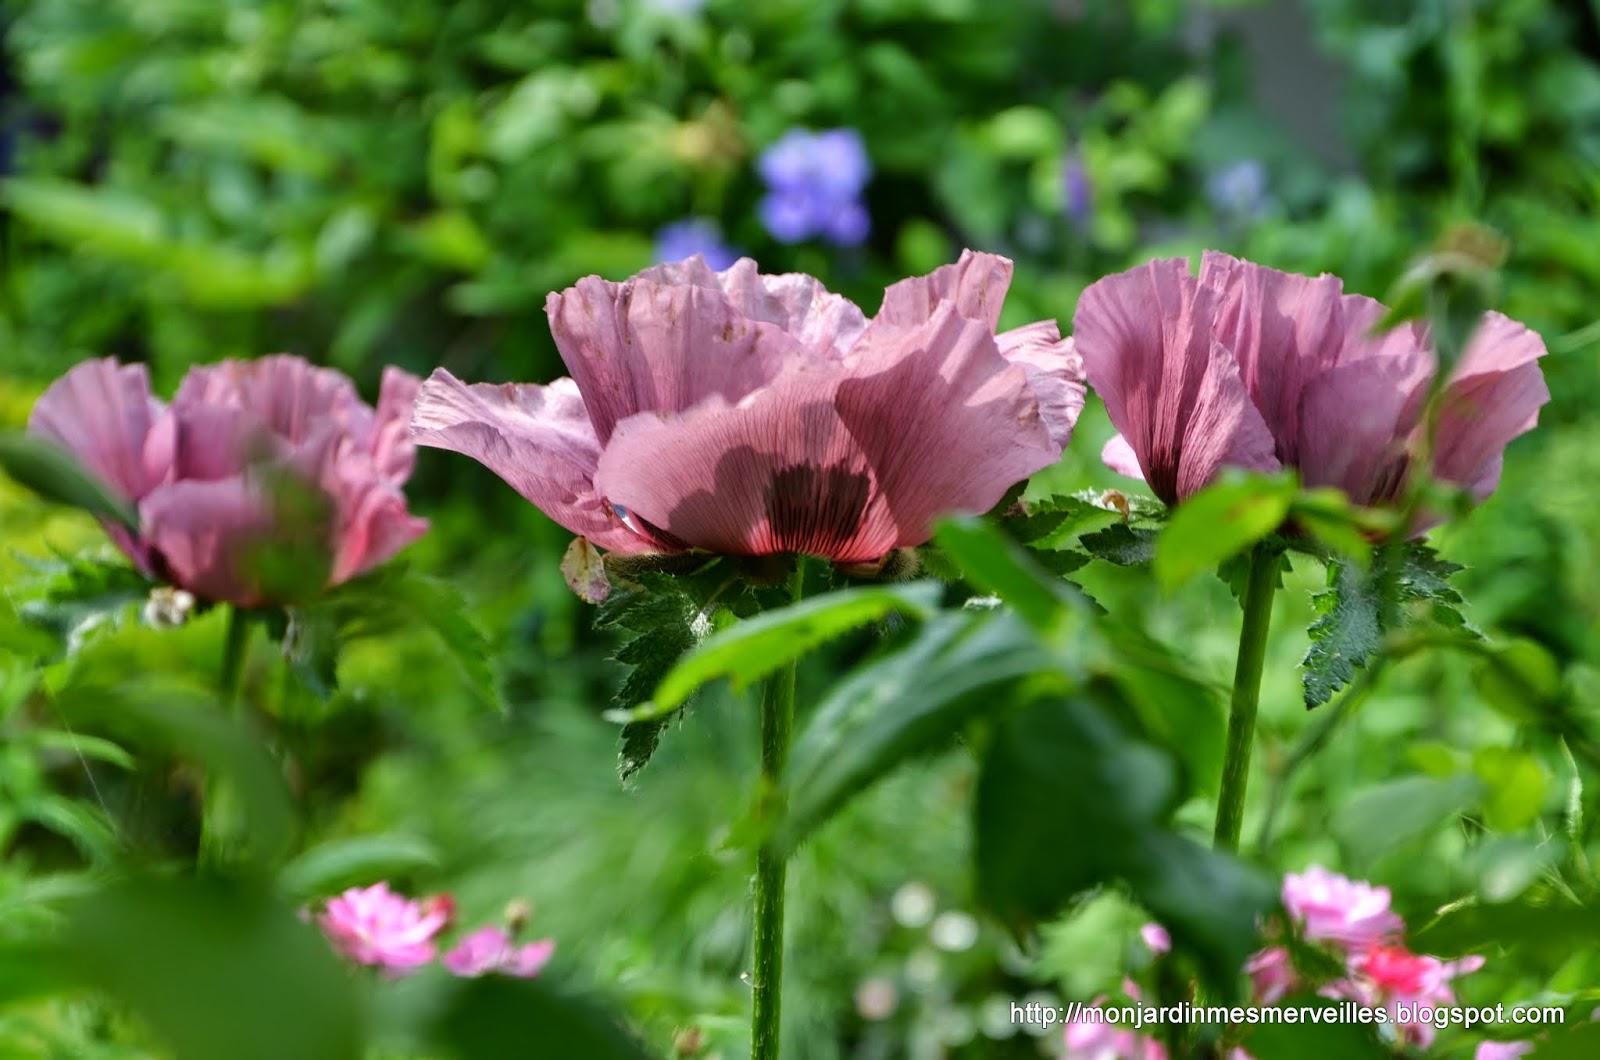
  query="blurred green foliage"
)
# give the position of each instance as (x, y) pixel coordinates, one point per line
(402, 181)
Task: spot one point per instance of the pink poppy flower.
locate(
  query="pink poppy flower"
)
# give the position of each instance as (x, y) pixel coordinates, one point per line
(1244, 366)
(207, 472)
(490, 949)
(743, 414)
(375, 926)
(1331, 908)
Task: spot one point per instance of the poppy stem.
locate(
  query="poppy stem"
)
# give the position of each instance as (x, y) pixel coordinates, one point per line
(219, 814)
(777, 722)
(1259, 589)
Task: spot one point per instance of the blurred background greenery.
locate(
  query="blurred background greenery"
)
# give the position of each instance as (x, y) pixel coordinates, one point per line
(368, 182)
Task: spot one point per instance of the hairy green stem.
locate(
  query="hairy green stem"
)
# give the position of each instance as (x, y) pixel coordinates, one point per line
(1246, 694)
(777, 722)
(218, 819)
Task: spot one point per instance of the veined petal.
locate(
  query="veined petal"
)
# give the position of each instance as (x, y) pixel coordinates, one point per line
(1119, 456)
(393, 451)
(102, 413)
(976, 283)
(797, 303)
(538, 438)
(1055, 371)
(293, 397)
(1355, 422)
(649, 346)
(1493, 396)
(202, 534)
(1171, 389)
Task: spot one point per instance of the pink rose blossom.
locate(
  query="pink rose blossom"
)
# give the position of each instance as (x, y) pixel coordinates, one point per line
(204, 472)
(1088, 1039)
(490, 949)
(1392, 976)
(1330, 908)
(1501, 1050)
(1156, 938)
(375, 926)
(1244, 366)
(744, 414)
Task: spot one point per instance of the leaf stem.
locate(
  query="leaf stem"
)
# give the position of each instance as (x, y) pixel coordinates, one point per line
(219, 813)
(777, 723)
(1258, 594)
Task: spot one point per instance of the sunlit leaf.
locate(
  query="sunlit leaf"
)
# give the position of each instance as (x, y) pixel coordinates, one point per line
(340, 863)
(56, 475)
(1220, 521)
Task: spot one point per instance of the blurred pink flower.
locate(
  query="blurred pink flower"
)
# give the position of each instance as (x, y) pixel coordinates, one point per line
(204, 471)
(377, 927)
(490, 949)
(1501, 1050)
(744, 414)
(1244, 366)
(1331, 908)
(1156, 938)
(1272, 975)
(1393, 976)
(1090, 1039)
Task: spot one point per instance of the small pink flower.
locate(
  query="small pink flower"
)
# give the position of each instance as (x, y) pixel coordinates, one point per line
(745, 414)
(1332, 908)
(1392, 976)
(1501, 1050)
(1271, 975)
(1156, 938)
(206, 472)
(1089, 1039)
(375, 926)
(490, 949)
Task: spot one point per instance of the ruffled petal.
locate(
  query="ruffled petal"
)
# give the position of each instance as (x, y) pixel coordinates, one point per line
(392, 449)
(293, 397)
(1172, 391)
(1119, 456)
(538, 438)
(649, 346)
(102, 413)
(1055, 371)
(797, 303)
(976, 283)
(836, 463)
(1355, 424)
(1493, 396)
(204, 535)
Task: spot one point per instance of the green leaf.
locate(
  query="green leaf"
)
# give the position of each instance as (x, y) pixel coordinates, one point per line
(1515, 785)
(755, 647)
(394, 598)
(903, 704)
(1579, 1041)
(1221, 521)
(1536, 931)
(997, 565)
(216, 969)
(1379, 818)
(1066, 802)
(1520, 679)
(173, 718)
(79, 595)
(1124, 545)
(340, 863)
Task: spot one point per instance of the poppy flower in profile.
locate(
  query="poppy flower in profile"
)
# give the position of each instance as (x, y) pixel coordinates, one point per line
(1244, 366)
(261, 478)
(747, 415)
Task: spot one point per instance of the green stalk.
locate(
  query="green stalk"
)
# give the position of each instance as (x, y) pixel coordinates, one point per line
(777, 723)
(219, 815)
(1246, 694)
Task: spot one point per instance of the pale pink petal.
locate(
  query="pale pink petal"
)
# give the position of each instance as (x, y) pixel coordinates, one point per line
(293, 397)
(1174, 393)
(393, 451)
(1055, 371)
(797, 303)
(538, 438)
(976, 283)
(647, 346)
(1493, 396)
(102, 413)
(529, 959)
(371, 520)
(1355, 424)
(1119, 456)
(203, 534)
(946, 423)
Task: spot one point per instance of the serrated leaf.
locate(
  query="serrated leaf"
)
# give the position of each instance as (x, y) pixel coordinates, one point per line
(755, 647)
(56, 475)
(1124, 545)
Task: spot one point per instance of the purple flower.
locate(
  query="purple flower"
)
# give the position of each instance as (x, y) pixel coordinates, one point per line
(694, 235)
(814, 183)
(377, 927)
(1239, 189)
(490, 949)
(1077, 192)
